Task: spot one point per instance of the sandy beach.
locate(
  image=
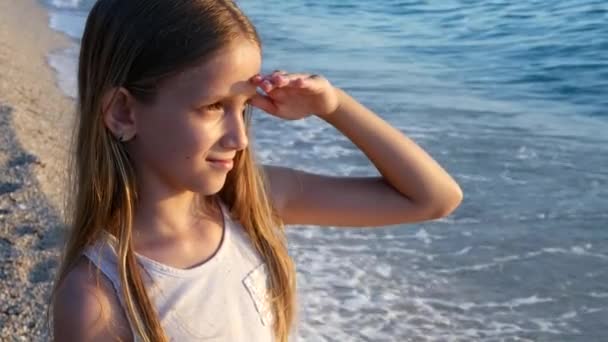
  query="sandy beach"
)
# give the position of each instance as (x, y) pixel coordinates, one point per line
(508, 96)
(35, 128)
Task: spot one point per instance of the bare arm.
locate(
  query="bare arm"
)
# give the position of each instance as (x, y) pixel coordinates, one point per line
(83, 311)
(402, 163)
(412, 186)
(306, 198)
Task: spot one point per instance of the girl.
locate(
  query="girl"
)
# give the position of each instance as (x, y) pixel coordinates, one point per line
(176, 233)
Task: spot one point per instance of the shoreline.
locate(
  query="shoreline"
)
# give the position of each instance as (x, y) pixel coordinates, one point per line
(35, 131)
(43, 113)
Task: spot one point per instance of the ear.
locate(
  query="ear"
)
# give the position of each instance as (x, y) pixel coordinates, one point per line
(118, 106)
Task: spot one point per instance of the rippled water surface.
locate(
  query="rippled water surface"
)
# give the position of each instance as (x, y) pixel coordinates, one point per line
(511, 97)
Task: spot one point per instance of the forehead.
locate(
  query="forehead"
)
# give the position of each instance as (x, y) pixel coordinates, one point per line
(225, 74)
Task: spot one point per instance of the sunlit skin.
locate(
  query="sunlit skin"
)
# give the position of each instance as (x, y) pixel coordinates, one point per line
(195, 121)
(197, 118)
(187, 138)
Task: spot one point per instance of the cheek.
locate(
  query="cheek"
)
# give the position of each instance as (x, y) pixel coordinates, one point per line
(173, 142)
(185, 142)
(193, 145)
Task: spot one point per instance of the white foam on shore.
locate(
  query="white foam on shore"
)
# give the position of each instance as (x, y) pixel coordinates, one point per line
(65, 66)
(71, 23)
(66, 3)
(65, 16)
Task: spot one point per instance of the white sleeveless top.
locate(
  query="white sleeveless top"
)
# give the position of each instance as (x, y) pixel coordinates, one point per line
(223, 299)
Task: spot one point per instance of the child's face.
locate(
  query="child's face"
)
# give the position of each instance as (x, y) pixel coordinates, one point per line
(197, 116)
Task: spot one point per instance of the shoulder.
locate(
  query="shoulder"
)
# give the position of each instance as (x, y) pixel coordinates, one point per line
(86, 308)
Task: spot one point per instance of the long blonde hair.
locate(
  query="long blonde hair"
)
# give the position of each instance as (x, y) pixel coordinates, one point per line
(136, 44)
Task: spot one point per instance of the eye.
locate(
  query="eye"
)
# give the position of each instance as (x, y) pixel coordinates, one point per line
(215, 106)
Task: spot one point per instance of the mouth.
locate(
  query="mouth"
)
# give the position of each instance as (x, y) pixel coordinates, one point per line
(221, 163)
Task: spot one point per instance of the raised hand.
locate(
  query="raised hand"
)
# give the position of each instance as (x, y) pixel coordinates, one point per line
(295, 96)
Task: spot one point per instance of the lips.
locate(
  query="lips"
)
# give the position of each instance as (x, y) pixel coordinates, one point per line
(220, 160)
(225, 164)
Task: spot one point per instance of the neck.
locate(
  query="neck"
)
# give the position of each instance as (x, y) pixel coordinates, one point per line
(163, 213)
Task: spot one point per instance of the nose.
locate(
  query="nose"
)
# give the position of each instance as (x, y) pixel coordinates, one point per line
(236, 132)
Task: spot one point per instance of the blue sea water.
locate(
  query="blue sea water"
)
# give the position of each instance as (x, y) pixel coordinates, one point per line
(511, 97)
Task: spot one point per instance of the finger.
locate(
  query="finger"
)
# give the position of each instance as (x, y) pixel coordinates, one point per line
(301, 79)
(266, 86)
(280, 80)
(256, 79)
(293, 77)
(312, 83)
(298, 82)
(270, 82)
(282, 73)
(260, 78)
(264, 103)
(279, 72)
(296, 75)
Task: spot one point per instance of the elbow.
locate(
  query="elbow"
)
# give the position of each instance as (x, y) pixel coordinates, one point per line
(446, 204)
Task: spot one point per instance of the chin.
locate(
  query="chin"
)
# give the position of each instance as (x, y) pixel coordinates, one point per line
(212, 187)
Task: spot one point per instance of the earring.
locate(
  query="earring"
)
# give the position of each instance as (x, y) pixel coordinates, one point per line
(123, 139)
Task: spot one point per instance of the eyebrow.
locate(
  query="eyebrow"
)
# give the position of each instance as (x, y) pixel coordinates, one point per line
(218, 97)
(212, 100)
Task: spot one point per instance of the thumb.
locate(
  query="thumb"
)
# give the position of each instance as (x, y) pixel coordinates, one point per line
(264, 103)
